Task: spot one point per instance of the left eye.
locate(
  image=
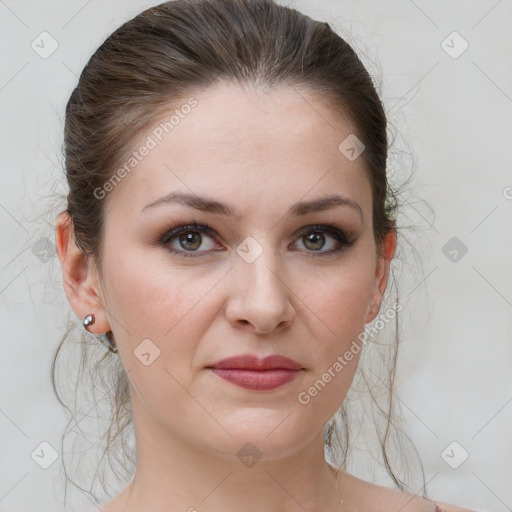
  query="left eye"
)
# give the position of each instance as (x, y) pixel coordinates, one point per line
(190, 239)
(315, 238)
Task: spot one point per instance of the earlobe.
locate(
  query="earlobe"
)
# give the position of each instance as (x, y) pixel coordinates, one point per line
(79, 277)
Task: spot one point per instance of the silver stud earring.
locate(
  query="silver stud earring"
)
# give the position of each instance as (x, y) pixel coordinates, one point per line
(89, 320)
(107, 338)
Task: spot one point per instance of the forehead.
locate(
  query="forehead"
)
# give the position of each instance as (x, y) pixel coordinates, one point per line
(242, 145)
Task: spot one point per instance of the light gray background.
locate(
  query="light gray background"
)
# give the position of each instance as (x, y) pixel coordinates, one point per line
(454, 116)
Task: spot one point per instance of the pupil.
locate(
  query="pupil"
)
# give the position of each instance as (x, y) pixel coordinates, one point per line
(314, 238)
(189, 238)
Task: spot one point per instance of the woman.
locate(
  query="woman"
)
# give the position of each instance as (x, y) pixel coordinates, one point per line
(228, 235)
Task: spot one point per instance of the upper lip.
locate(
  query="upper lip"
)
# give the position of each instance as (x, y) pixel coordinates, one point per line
(252, 362)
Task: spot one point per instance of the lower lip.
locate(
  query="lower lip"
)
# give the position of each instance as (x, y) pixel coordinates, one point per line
(258, 380)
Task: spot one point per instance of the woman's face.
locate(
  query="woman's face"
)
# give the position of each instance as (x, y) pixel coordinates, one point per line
(260, 280)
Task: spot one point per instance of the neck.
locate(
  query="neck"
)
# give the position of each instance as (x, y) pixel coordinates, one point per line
(172, 473)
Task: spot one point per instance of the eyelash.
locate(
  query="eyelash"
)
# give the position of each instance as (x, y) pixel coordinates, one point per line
(179, 229)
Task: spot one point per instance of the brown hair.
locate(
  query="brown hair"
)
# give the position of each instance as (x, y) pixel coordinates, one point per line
(158, 59)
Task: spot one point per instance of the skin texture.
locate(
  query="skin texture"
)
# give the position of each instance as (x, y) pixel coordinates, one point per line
(261, 152)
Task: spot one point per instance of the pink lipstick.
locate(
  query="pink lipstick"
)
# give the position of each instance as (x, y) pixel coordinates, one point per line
(250, 372)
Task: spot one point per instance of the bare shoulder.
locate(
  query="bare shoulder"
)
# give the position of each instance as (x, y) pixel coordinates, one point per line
(108, 507)
(375, 498)
(111, 506)
(445, 507)
(116, 504)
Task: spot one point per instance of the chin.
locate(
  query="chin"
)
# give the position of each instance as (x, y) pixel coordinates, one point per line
(260, 435)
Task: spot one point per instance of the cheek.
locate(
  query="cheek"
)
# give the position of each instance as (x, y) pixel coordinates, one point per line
(158, 314)
(338, 322)
(154, 300)
(340, 300)
(337, 312)
(341, 307)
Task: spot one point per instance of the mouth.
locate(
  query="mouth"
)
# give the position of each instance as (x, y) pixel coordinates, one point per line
(250, 372)
(257, 379)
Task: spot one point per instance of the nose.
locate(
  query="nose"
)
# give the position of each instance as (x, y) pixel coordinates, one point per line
(260, 296)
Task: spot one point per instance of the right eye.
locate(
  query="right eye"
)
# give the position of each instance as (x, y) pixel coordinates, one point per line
(190, 238)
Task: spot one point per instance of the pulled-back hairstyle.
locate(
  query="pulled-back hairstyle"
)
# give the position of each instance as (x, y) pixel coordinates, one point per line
(156, 61)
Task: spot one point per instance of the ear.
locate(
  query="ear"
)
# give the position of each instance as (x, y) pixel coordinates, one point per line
(79, 276)
(385, 255)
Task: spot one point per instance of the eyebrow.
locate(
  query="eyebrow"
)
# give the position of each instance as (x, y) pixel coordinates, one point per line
(209, 205)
